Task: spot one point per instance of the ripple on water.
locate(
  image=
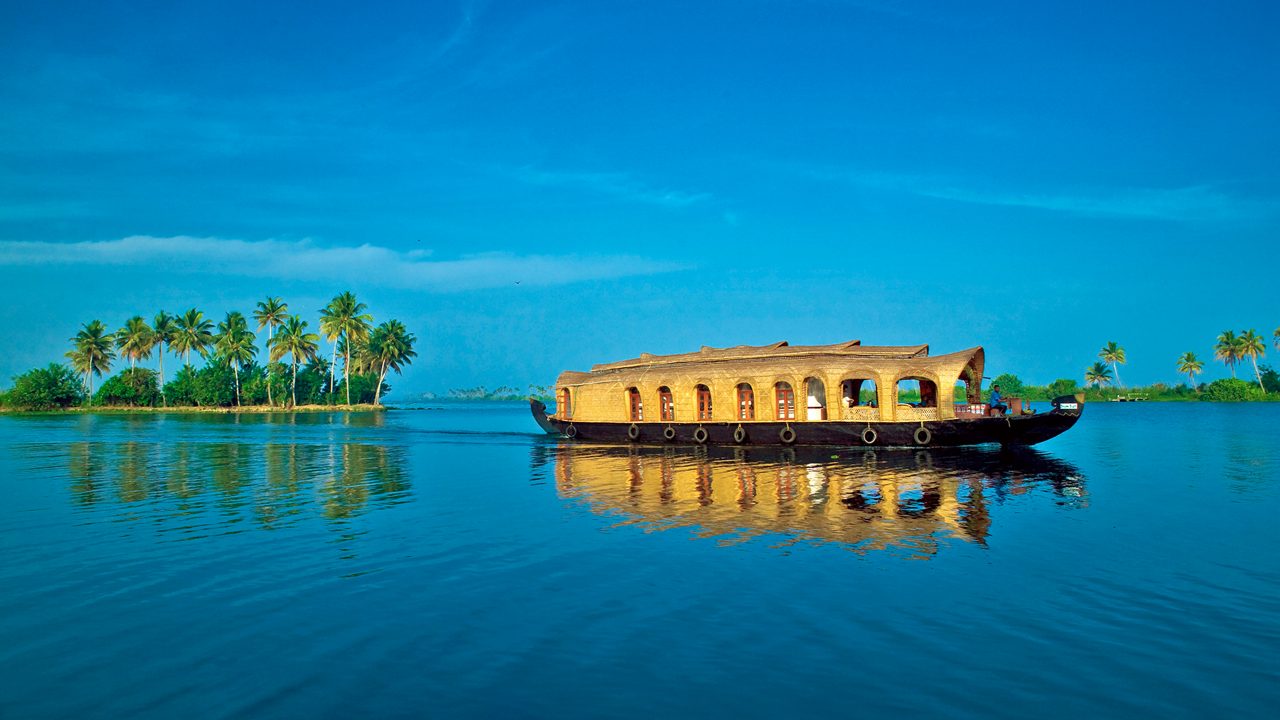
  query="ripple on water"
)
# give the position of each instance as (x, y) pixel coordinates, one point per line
(286, 566)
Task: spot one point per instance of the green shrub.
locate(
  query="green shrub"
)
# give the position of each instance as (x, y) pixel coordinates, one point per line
(1010, 385)
(181, 390)
(362, 389)
(134, 387)
(55, 386)
(1231, 390)
(1270, 378)
(253, 384)
(1060, 387)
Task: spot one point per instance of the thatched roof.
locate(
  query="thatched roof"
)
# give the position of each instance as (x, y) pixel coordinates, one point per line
(895, 360)
(776, 351)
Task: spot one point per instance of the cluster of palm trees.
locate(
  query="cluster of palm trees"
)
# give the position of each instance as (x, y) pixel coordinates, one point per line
(1230, 349)
(1100, 374)
(344, 322)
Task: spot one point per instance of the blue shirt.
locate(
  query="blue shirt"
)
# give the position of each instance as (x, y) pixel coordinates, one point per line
(995, 397)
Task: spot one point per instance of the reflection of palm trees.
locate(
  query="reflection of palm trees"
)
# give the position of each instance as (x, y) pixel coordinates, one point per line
(132, 477)
(264, 480)
(85, 468)
(176, 460)
(346, 492)
(228, 461)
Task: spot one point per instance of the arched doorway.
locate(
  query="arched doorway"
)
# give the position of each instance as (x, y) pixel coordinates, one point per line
(858, 399)
(815, 399)
(918, 392)
(564, 403)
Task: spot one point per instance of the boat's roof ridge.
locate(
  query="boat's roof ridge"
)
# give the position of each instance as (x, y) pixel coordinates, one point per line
(782, 348)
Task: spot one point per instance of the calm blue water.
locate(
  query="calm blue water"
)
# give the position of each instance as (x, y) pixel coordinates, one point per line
(449, 562)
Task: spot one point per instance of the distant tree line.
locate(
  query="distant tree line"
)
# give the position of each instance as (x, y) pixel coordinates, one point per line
(504, 393)
(1230, 348)
(231, 375)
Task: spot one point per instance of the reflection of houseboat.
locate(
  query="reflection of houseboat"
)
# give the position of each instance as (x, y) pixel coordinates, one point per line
(911, 502)
(843, 394)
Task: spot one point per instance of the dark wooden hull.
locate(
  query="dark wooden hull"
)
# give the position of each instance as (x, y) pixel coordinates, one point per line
(1010, 430)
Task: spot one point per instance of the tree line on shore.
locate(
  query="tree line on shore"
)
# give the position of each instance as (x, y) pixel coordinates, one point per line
(1102, 379)
(232, 375)
(503, 393)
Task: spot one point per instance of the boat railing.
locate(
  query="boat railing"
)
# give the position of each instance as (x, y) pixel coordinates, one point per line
(859, 413)
(907, 412)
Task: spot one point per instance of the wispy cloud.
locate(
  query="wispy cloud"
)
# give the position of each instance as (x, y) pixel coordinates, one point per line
(1193, 203)
(611, 184)
(307, 260)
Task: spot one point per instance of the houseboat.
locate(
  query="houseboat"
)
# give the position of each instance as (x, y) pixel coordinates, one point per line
(845, 394)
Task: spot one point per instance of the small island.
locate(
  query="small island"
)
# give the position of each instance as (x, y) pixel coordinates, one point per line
(231, 378)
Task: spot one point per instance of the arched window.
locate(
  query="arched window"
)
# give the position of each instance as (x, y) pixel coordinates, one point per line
(564, 403)
(746, 402)
(634, 405)
(918, 392)
(858, 392)
(969, 385)
(785, 399)
(666, 404)
(704, 402)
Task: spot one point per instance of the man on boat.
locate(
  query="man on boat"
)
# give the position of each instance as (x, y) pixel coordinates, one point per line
(996, 401)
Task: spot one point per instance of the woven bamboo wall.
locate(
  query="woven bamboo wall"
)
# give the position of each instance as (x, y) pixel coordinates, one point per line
(601, 396)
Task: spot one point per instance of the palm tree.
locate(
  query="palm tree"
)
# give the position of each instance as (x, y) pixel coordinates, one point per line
(1227, 349)
(1190, 366)
(270, 314)
(1098, 375)
(1276, 335)
(344, 317)
(234, 344)
(390, 347)
(1252, 346)
(135, 340)
(165, 329)
(298, 344)
(193, 333)
(1114, 354)
(91, 351)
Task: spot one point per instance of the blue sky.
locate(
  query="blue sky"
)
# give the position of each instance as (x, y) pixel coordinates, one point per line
(534, 187)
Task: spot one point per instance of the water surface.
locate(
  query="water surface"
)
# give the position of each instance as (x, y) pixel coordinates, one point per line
(450, 561)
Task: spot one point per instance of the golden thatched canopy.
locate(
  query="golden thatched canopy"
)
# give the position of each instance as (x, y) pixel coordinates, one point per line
(817, 371)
